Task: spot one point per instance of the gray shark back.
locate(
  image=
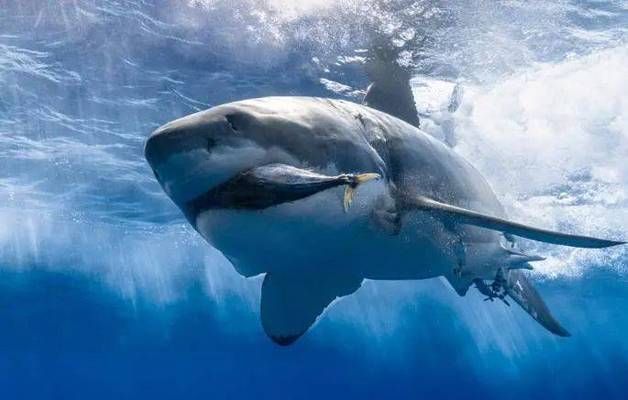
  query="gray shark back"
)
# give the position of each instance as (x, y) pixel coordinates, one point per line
(350, 135)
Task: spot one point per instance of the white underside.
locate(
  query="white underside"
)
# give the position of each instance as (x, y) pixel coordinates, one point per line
(316, 235)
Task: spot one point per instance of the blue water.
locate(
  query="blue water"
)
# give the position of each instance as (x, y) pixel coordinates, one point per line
(105, 292)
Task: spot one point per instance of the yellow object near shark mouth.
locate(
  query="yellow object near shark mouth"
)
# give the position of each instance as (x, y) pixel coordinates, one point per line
(350, 189)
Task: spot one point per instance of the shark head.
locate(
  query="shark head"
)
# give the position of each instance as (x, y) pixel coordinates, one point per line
(196, 153)
(265, 163)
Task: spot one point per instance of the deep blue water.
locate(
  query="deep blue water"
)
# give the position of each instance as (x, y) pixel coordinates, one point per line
(105, 292)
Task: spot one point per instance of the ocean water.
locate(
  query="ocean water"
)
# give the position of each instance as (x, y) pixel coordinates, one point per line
(106, 292)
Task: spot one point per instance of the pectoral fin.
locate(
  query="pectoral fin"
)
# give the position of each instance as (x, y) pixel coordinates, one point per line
(464, 216)
(292, 303)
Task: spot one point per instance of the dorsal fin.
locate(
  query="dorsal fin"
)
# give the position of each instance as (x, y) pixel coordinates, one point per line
(390, 90)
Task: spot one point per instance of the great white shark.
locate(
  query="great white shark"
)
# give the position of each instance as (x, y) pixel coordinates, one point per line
(320, 194)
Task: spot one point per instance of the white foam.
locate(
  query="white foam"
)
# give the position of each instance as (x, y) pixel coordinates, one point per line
(553, 142)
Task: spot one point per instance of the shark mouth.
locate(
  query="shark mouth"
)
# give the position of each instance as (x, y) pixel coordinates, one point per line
(270, 185)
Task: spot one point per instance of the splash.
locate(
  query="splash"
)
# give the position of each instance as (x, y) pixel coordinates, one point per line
(552, 141)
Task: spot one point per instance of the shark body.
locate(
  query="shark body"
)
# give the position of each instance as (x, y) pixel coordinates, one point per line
(320, 194)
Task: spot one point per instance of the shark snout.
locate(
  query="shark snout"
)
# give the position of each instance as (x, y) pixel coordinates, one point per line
(156, 147)
(204, 131)
(191, 155)
(177, 152)
(175, 138)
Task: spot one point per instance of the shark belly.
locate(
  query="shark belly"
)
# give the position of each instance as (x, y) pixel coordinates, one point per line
(315, 235)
